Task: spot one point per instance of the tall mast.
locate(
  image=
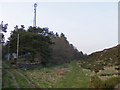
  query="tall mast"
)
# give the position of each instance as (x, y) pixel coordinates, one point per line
(34, 23)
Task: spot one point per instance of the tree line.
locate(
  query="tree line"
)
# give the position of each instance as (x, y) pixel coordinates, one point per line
(41, 45)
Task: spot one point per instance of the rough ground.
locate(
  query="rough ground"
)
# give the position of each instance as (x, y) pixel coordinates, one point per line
(17, 80)
(13, 77)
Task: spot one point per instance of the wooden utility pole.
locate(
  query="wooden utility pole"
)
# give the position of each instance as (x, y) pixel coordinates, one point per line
(17, 46)
(8, 50)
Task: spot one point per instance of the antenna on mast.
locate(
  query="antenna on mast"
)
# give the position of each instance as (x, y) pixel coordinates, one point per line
(34, 23)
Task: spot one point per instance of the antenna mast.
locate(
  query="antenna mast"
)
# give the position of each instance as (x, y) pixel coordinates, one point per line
(34, 23)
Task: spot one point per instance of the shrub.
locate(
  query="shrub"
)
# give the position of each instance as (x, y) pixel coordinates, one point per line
(109, 83)
(96, 82)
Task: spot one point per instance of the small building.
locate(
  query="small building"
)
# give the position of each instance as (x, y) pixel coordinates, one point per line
(14, 56)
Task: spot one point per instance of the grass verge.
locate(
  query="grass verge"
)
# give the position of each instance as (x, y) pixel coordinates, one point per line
(21, 81)
(7, 80)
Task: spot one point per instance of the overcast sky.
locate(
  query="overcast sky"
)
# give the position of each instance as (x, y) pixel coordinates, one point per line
(89, 26)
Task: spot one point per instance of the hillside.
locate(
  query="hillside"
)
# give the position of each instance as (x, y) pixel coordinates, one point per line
(98, 70)
(98, 60)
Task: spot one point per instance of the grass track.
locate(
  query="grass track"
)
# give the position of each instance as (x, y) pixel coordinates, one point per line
(50, 78)
(21, 81)
(8, 81)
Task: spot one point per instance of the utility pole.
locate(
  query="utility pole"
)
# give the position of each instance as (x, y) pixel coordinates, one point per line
(8, 50)
(17, 46)
(34, 23)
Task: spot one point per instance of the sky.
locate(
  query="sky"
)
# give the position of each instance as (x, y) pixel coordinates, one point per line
(89, 26)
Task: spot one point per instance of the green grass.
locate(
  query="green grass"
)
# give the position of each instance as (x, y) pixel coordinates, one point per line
(75, 78)
(8, 81)
(50, 78)
(20, 80)
(7, 78)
